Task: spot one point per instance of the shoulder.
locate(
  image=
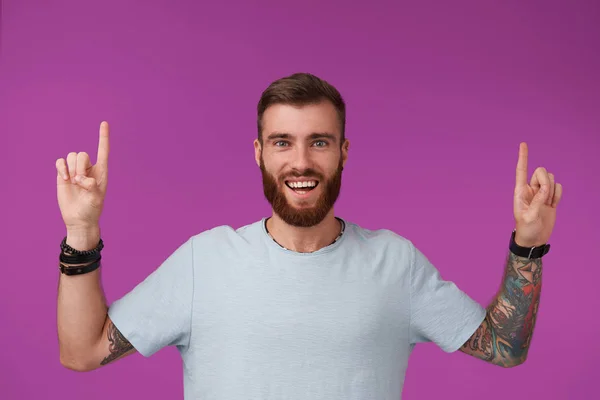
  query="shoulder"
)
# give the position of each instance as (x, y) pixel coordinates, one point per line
(381, 240)
(380, 235)
(225, 236)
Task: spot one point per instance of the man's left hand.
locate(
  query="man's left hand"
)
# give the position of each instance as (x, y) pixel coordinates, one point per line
(535, 203)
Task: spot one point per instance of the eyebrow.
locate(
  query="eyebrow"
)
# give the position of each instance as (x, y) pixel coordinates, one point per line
(312, 136)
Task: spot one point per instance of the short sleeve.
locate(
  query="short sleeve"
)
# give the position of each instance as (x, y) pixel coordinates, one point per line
(440, 311)
(157, 312)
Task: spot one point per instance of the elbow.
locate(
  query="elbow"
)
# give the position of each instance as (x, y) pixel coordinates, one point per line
(76, 364)
(512, 363)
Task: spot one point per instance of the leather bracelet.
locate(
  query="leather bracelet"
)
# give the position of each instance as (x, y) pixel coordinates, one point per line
(78, 259)
(80, 269)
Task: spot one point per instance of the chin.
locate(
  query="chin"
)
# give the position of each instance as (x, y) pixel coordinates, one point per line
(303, 205)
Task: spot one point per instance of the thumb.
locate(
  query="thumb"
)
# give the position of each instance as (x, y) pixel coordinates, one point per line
(540, 197)
(86, 183)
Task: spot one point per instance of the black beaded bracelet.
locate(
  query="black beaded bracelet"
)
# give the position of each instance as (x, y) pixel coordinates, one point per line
(68, 249)
(80, 269)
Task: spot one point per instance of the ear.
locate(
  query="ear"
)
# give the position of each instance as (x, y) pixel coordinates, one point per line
(345, 147)
(257, 151)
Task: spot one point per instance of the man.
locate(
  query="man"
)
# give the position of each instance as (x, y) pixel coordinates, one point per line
(303, 304)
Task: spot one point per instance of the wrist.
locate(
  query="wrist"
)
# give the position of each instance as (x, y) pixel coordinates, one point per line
(527, 242)
(83, 238)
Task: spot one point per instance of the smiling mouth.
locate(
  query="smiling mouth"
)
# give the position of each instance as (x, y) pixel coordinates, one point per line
(302, 187)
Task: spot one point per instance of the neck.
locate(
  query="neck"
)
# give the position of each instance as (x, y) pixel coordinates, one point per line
(304, 240)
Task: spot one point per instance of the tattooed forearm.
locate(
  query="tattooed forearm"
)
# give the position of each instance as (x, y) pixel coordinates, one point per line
(480, 343)
(505, 335)
(118, 347)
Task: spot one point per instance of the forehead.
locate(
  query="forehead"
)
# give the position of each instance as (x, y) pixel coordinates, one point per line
(301, 121)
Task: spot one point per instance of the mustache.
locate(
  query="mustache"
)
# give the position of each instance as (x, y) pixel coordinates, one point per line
(307, 173)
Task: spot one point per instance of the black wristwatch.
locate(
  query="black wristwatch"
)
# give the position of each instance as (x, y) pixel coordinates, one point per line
(527, 252)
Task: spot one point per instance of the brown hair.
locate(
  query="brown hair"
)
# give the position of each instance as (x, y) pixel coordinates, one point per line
(301, 89)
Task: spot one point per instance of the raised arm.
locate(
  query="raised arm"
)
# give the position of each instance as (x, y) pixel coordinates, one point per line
(87, 338)
(504, 337)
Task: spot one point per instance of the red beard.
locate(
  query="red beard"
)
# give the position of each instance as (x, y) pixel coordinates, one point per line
(305, 217)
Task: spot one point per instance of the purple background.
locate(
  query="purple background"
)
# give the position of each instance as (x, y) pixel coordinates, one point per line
(439, 96)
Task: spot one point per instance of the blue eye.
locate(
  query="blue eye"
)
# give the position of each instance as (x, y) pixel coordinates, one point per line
(321, 141)
(282, 142)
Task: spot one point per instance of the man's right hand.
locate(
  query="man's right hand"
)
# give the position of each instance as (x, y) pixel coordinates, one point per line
(81, 186)
(87, 337)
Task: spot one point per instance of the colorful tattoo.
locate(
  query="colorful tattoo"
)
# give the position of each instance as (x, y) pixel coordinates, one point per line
(505, 335)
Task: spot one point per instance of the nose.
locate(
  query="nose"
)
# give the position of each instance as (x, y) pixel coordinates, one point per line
(301, 159)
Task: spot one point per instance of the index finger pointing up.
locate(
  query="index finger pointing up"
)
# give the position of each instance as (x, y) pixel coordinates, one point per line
(103, 146)
(522, 165)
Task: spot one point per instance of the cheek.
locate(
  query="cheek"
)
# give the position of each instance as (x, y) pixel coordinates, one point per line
(276, 173)
(271, 164)
(331, 167)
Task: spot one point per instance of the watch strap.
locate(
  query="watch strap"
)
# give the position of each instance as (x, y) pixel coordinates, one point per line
(527, 252)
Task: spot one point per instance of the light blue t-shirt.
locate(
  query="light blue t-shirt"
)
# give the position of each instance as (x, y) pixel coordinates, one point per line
(253, 320)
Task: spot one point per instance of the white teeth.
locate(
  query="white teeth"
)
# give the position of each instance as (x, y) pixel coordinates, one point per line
(302, 184)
